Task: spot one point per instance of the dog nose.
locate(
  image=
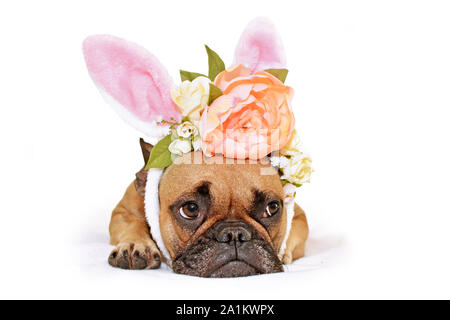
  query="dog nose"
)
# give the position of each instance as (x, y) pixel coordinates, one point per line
(233, 231)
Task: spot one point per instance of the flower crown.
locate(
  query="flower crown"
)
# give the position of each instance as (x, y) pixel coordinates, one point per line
(242, 112)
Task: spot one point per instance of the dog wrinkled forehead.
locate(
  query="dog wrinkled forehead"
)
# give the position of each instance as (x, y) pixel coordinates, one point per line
(224, 180)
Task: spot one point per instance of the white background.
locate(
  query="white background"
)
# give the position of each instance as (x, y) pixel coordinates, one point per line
(372, 103)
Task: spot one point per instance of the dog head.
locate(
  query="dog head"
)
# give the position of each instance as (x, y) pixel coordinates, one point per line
(222, 220)
(216, 219)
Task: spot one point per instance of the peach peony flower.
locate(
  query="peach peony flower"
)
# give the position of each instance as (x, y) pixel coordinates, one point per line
(251, 119)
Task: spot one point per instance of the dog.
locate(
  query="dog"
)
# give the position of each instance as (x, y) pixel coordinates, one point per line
(216, 220)
(214, 217)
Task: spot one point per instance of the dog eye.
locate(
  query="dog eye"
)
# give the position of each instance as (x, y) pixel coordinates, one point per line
(189, 210)
(271, 209)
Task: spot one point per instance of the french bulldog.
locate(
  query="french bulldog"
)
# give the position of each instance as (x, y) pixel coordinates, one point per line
(216, 220)
(210, 218)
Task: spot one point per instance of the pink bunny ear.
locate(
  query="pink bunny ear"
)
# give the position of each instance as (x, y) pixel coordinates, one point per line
(260, 47)
(132, 81)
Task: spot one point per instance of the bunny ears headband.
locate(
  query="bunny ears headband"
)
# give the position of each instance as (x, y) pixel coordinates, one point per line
(242, 112)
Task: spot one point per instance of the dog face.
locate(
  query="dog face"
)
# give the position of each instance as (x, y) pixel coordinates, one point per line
(222, 220)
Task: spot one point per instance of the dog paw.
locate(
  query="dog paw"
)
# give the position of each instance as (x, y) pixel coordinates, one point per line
(286, 258)
(135, 256)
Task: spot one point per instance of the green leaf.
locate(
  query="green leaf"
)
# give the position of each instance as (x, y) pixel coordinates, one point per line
(214, 93)
(160, 157)
(186, 75)
(215, 64)
(281, 74)
(284, 182)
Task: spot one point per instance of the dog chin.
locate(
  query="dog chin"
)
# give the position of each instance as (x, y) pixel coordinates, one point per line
(235, 268)
(208, 258)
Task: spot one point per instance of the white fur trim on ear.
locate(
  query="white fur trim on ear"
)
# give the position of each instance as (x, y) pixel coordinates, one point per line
(152, 209)
(290, 204)
(153, 132)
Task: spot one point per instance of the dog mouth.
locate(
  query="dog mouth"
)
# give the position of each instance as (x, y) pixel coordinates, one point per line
(235, 268)
(212, 259)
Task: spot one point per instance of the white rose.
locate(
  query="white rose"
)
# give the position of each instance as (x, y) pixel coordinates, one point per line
(197, 143)
(279, 162)
(289, 191)
(179, 147)
(299, 170)
(275, 161)
(189, 95)
(187, 129)
(293, 147)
